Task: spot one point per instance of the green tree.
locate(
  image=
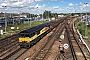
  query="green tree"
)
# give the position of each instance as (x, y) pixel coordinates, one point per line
(56, 15)
(47, 14)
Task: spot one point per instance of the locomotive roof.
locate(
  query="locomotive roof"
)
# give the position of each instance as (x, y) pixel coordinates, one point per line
(33, 29)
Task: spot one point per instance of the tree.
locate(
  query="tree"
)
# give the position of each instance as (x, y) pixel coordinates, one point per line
(47, 14)
(28, 16)
(56, 15)
(52, 15)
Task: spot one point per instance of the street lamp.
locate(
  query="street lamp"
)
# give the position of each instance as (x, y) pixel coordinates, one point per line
(86, 19)
(30, 18)
(5, 18)
(5, 21)
(48, 11)
(37, 14)
(42, 15)
(19, 9)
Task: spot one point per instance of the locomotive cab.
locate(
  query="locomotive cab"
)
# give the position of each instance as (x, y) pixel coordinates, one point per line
(24, 39)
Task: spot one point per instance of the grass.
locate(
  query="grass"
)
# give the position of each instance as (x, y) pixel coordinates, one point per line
(81, 27)
(21, 28)
(88, 29)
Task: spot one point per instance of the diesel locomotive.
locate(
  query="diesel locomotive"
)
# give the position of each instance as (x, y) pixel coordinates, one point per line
(31, 36)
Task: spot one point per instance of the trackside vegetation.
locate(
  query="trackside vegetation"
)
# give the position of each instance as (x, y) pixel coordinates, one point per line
(81, 26)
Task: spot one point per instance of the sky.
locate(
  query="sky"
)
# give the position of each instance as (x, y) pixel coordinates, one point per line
(39, 6)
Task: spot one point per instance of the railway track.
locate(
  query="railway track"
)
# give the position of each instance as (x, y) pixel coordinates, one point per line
(7, 45)
(9, 50)
(43, 52)
(8, 42)
(75, 47)
(16, 54)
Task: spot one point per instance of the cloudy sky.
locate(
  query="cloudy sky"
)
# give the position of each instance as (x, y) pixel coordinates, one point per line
(38, 6)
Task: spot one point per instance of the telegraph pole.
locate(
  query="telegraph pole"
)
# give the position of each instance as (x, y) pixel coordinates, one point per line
(86, 20)
(5, 19)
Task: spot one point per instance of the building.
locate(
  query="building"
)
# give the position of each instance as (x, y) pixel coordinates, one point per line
(2, 23)
(60, 16)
